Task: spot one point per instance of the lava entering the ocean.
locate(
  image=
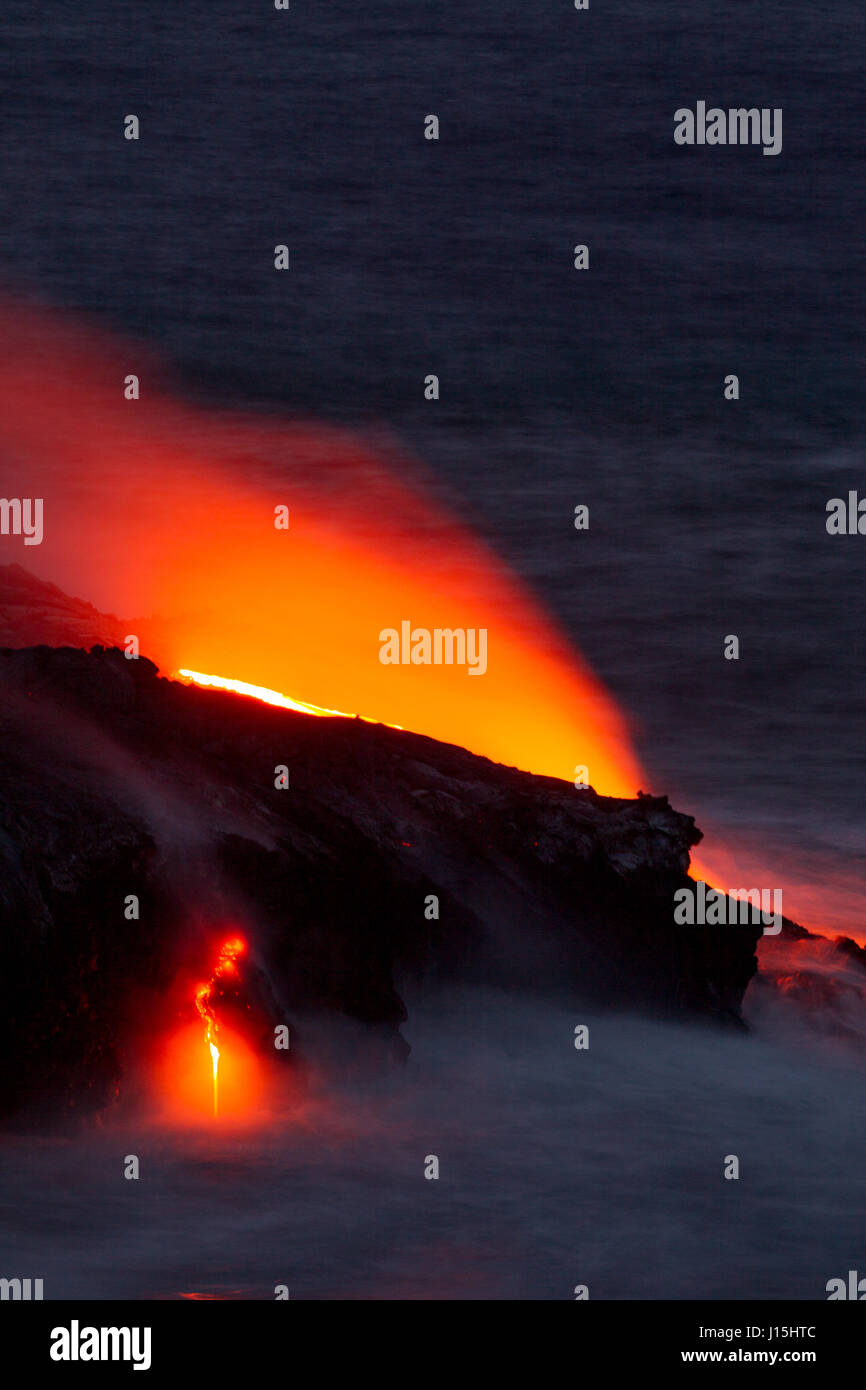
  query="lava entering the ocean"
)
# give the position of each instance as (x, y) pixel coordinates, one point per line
(225, 965)
(217, 1074)
(164, 510)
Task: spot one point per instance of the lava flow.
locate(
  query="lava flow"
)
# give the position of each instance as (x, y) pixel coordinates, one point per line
(271, 697)
(225, 965)
(157, 508)
(169, 513)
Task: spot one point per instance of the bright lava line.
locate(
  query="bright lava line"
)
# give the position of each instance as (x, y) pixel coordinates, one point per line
(273, 697)
(214, 1052)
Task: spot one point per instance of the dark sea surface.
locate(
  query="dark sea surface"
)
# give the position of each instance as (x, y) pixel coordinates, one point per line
(707, 518)
(603, 1167)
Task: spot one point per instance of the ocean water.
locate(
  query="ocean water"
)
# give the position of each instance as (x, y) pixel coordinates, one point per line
(557, 1167)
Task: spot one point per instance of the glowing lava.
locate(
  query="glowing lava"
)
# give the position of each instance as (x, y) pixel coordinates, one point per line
(271, 697)
(166, 512)
(225, 965)
(215, 1056)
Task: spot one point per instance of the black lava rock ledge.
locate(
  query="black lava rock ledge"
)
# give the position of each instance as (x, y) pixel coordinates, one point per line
(115, 782)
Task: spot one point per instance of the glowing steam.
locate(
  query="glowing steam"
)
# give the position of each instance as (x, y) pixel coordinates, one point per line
(158, 510)
(167, 513)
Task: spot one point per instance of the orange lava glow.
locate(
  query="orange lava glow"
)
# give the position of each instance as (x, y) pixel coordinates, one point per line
(818, 890)
(164, 514)
(225, 965)
(269, 697)
(184, 1078)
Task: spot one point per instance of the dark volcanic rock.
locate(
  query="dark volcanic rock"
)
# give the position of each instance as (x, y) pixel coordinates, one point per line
(114, 781)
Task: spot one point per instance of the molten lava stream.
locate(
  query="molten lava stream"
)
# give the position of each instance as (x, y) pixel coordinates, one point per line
(268, 697)
(188, 1077)
(202, 1076)
(169, 512)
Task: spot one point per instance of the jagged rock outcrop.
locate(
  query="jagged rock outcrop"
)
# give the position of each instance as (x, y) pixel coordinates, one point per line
(115, 781)
(34, 611)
